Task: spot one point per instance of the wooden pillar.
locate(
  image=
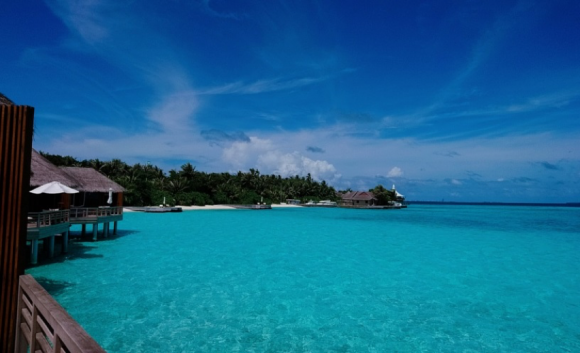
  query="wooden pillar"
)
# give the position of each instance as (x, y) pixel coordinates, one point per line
(51, 246)
(16, 124)
(65, 242)
(64, 202)
(34, 252)
(115, 228)
(120, 199)
(84, 231)
(95, 228)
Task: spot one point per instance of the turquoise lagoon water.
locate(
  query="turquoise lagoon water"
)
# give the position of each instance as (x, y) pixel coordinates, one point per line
(424, 279)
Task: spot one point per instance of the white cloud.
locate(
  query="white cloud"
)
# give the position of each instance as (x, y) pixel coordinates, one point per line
(175, 112)
(269, 159)
(427, 176)
(83, 18)
(242, 155)
(395, 172)
(289, 164)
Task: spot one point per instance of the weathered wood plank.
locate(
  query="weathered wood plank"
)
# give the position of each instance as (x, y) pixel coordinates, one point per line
(16, 125)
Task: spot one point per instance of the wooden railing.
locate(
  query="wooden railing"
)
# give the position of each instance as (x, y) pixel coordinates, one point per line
(47, 218)
(91, 212)
(44, 326)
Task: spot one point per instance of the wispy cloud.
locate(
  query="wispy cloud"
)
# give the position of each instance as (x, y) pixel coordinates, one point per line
(209, 9)
(262, 86)
(455, 182)
(114, 34)
(523, 180)
(395, 172)
(360, 118)
(181, 87)
(448, 154)
(549, 166)
(449, 123)
(553, 100)
(218, 136)
(174, 113)
(482, 50)
(84, 17)
(314, 149)
(473, 175)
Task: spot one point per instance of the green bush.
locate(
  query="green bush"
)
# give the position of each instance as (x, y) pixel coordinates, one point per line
(249, 197)
(200, 199)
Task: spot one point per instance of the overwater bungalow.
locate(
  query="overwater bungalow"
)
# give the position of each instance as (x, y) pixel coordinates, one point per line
(366, 199)
(358, 199)
(99, 201)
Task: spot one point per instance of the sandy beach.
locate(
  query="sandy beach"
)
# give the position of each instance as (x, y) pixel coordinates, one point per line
(214, 207)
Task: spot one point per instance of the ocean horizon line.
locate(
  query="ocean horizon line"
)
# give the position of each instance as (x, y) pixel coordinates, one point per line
(495, 203)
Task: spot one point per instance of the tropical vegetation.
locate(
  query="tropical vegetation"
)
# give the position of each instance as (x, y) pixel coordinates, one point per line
(383, 196)
(149, 185)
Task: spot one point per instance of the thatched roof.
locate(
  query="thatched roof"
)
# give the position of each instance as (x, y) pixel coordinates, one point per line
(43, 171)
(5, 100)
(359, 196)
(81, 179)
(91, 180)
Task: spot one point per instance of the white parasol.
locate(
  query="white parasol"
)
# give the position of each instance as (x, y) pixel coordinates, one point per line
(110, 200)
(54, 187)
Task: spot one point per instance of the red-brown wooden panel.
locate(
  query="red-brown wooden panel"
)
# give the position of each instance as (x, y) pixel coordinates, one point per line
(16, 125)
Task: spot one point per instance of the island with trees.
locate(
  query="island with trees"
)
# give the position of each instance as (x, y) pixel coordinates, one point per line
(146, 184)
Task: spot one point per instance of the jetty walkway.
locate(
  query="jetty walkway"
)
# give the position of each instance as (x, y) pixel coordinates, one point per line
(47, 225)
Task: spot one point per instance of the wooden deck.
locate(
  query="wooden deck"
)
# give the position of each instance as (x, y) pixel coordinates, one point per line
(252, 207)
(46, 225)
(96, 216)
(90, 215)
(44, 326)
(154, 209)
(383, 207)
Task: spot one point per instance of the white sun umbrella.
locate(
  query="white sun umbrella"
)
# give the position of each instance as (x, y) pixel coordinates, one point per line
(110, 200)
(54, 187)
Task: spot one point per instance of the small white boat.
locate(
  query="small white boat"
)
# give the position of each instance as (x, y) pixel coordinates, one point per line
(326, 203)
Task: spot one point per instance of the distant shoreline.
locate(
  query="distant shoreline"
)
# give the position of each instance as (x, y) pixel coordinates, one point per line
(542, 204)
(442, 203)
(210, 207)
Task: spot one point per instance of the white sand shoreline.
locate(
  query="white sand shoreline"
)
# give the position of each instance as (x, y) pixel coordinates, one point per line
(213, 207)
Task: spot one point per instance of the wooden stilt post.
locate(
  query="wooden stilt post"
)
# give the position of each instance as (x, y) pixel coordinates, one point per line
(95, 228)
(51, 246)
(65, 242)
(34, 251)
(115, 228)
(84, 231)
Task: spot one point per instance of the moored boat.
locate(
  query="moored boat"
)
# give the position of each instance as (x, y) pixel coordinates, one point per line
(326, 203)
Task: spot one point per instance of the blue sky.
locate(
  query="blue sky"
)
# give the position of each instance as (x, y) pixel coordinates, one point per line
(454, 100)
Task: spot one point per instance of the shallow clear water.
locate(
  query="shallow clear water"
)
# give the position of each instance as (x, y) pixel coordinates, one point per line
(422, 279)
